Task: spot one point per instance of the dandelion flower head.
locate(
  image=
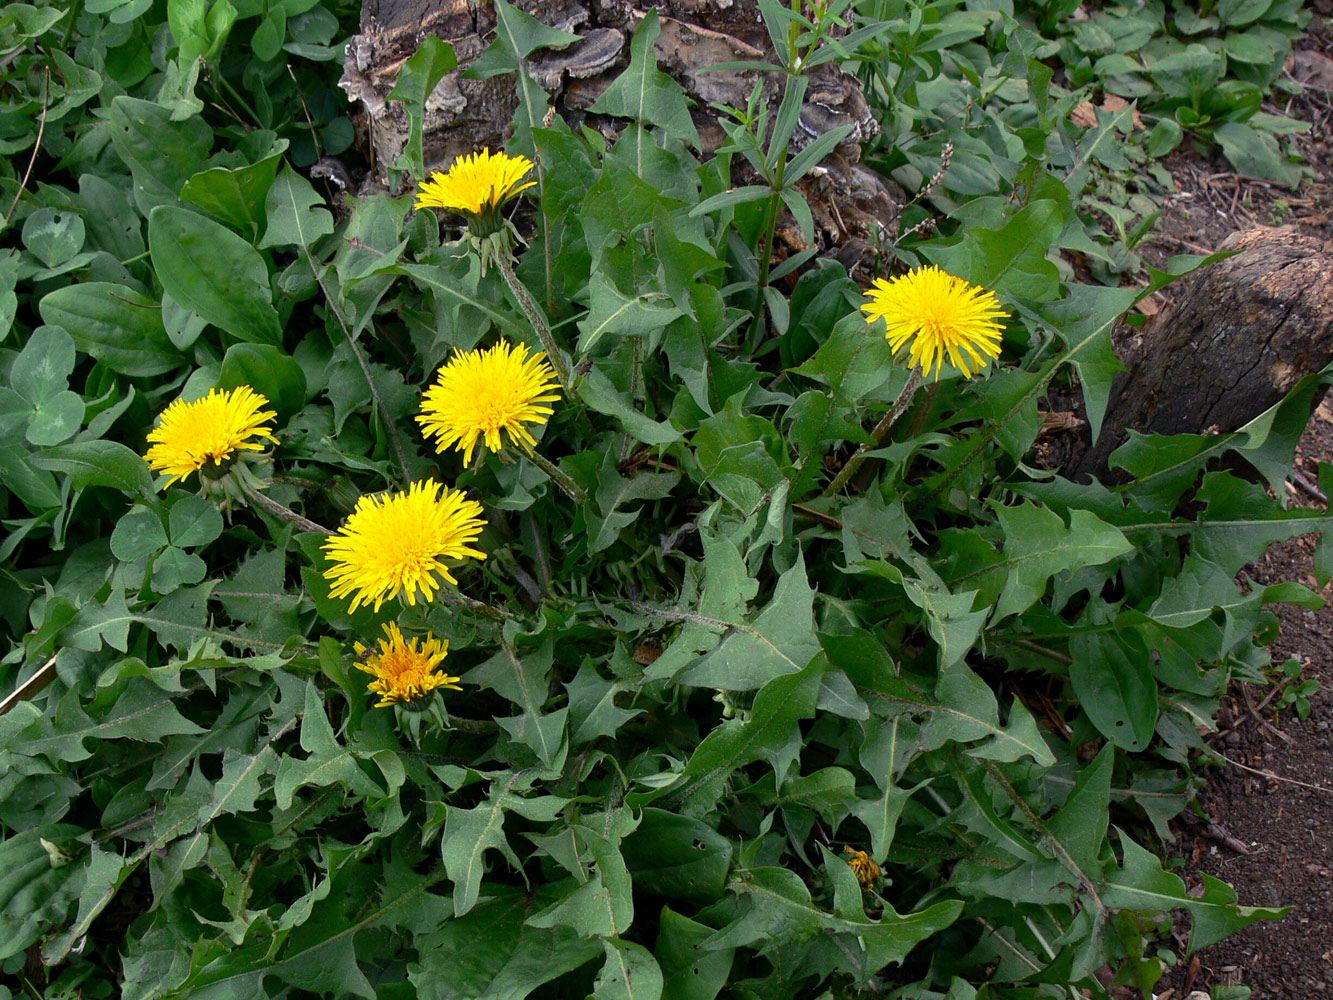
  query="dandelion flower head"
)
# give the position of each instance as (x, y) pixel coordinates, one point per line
(476, 184)
(208, 430)
(863, 867)
(942, 317)
(403, 671)
(479, 394)
(399, 543)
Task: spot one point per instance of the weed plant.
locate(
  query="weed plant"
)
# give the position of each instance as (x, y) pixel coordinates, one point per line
(712, 719)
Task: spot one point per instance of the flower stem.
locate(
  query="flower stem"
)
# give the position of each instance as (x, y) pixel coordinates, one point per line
(455, 599)
(560, 477)
(506, 265)
(880, 432)
(282, 512)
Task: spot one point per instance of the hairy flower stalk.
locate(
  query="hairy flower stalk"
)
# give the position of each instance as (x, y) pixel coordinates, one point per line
(504, 261)
(475, 187)
(878, 435)
(483, 397)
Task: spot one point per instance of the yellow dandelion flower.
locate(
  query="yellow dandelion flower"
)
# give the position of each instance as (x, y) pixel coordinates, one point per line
(477, 184)
(478, 394)
(941, 315)
(402, 671)
(863, 867)
(400, 542)
(192, 435)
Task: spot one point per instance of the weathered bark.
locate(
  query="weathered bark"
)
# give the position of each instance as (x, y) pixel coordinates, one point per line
(463, 115)
(1236, 337)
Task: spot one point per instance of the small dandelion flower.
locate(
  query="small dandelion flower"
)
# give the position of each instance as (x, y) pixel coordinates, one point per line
(478, 394)
(207, 431)
(476, 186)
(402, 671)
(941, 316)
(396, 544)
(863, 867)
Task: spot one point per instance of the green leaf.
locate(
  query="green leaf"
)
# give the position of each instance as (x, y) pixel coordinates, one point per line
(193, 521)
(1099, 145)
(518, 35)
(772, 734)
(782, 916)
(268, 370)
(99, 463)
(605, 518)
(417, 78)
(234, 194)
(53, 236)
(677, 857)
(647, 95)
(1142, 885)
(524, 681)
(880, 815)
(611, 312)
(1012, 259)
(855, 361)
(968, 711)
(1234, 13)
(102, 876)
(1083, 320)
(780, 641)
(1080, 825)
(964, 709)
(598, 392)
(142, 712)
(1115, 687)
(295, 212)
(200, 27)
(950, 620)
(593, 712)
(629, 973)
(328, 763)
(321, 955)
(470, 833)
(211, 271)
(37, 887)
(604, 904)
(489, 952)
(98, 623)
(40, 375)
(728, 588)
(690, 972)
(734, 196)
(175, 568)
(162, 154)
(116, 325)
(1239, 522)
(1037, 546)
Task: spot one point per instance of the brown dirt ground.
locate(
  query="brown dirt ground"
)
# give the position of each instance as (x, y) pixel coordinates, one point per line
(1271, 839)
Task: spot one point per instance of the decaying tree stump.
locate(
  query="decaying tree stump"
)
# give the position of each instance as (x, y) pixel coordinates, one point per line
(464, 114)
(1236, 337)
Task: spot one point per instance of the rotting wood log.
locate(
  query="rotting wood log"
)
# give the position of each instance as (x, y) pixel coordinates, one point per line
(847, 199)
(1234, 339)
